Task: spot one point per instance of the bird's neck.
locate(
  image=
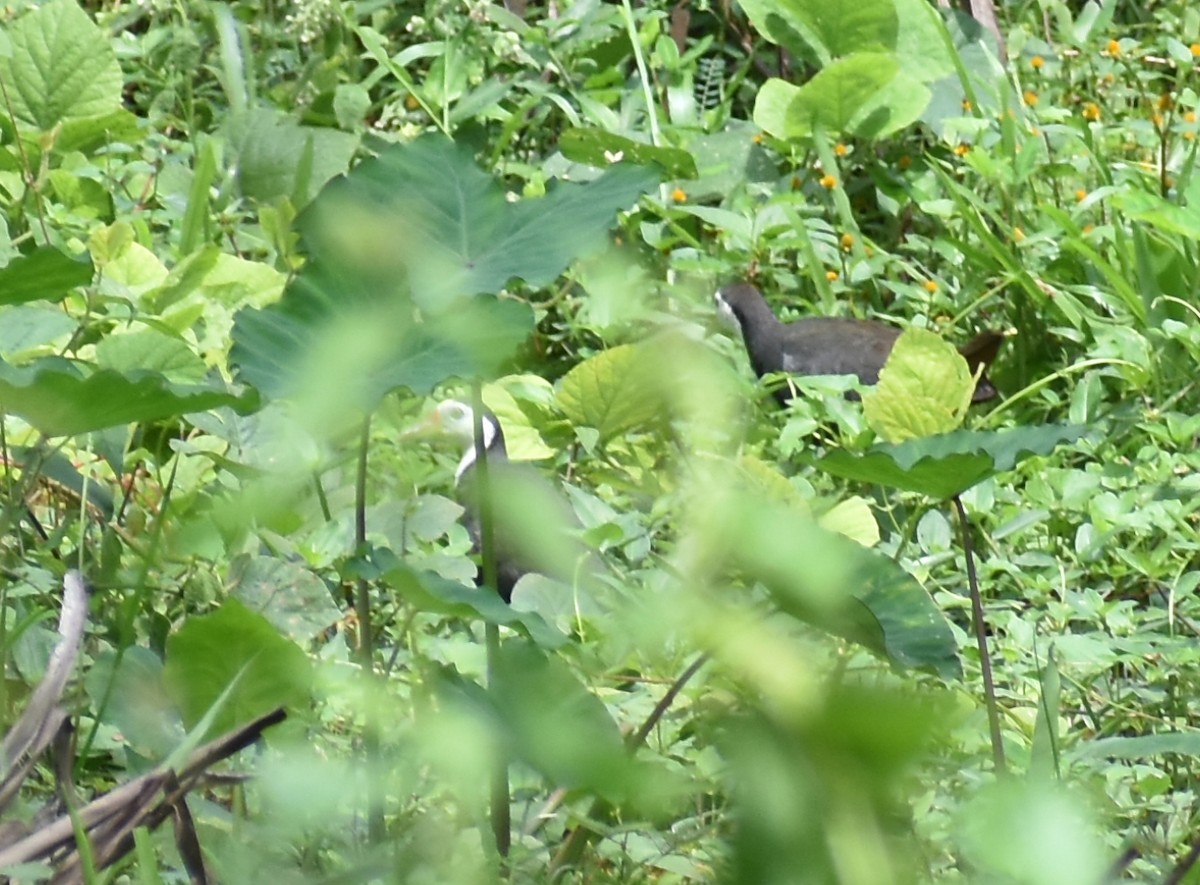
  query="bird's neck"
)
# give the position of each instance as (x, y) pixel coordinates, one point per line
(493, 445)
(760, 331)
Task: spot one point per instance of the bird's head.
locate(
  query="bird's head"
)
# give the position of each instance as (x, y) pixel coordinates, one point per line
(454, 420)
(734, 301)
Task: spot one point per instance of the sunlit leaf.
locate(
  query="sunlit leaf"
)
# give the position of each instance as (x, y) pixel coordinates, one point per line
(208, 652)
(924, 388)
(62, 66)
(613, 392)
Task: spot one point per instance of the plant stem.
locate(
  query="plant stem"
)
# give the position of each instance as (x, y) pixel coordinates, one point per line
(985, 662)
(500, 813)
(366, 652)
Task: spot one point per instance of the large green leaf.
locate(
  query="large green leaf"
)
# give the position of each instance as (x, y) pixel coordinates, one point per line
(44, 274)
(831, 581)
(949, 464)
(277, 157)
(62, 67)
(399, 247)
(60, 398)
(826, 29)
(866, 95)
(425, 212)
(613, 392)
(210, 652)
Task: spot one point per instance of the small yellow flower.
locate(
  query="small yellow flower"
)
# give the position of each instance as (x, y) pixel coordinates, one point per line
(1164, 101)
(961, 150)
(1018, 234)
(847, 242)
(1037, 62)
(831, 275)
(1080, 195)
(966, 105)
(1091, 111)
(828, 182)
(1195, 50)
(1189, 117)
(840, 149)
(1030, 97)
(1157, 119)
(930, 286)
(757, 138)
(410, 102)
(679, 195)
(904, 162)
(1113, 48)
(1035, 131)
(1108, 80)
(1088, 228)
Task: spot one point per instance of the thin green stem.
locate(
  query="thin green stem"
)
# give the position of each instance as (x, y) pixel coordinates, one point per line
(985, 661)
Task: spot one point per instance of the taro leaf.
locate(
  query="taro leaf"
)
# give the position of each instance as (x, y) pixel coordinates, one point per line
(60, 399)
(151, 350)
(430, 592)
(425, 212)
(332, 330)
(209, 652)
(396, 244)
(833, 582)
(924, 389)
(601, 148)
(62, 67)
(613, 392)
(825, 29)
(44, 274)
(866, 95)
(946, 465)
(291, 597)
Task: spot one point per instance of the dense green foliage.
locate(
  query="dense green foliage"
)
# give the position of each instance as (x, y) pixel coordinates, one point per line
(244, 246)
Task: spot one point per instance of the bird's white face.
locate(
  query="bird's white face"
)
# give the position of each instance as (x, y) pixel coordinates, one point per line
(726, 312)
(457, 420)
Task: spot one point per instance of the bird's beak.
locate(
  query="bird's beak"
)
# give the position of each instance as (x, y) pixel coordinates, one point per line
(428, 427)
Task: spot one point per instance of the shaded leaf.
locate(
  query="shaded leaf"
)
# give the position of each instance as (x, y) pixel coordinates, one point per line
(60, 399)
(946, 465)
(426, 213)
(825, 29)
(290, 596)
(45, 274)
(206, 655)
(278, 157)
(432, 593)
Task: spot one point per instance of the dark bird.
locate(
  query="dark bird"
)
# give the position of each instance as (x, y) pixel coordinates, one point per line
(530, 520)
(828, 345)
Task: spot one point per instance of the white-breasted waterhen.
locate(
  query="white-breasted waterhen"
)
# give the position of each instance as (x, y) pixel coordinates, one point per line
(828, 345)
(532, 523)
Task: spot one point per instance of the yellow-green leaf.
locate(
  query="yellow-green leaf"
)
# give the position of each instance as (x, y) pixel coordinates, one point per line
(924, 389)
